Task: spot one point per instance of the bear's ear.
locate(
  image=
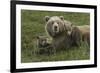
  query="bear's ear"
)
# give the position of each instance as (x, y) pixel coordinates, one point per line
(61, 17)
(47, 18)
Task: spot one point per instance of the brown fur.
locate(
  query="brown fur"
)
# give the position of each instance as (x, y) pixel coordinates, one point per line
(43, 45)
(62, 25)
(81, 33)
(75, 36)
(85, 31)
(42, 42)
(60, 39)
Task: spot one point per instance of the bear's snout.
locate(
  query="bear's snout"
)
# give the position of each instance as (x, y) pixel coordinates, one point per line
(55, 28)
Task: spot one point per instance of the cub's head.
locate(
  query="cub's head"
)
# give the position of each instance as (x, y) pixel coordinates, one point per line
(42, 41)
(54, 25)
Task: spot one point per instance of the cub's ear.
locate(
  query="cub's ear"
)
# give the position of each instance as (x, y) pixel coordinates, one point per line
(47, 18)
(61, 17)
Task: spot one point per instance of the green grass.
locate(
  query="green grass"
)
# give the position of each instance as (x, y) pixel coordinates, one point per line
(33, 24)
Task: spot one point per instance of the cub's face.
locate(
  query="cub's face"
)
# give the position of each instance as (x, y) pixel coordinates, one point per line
(41, 41)
(54, 25)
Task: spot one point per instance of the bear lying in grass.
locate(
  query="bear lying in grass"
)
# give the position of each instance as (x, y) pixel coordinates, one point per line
(58, 29)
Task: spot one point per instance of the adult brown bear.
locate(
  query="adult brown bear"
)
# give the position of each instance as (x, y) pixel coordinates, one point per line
(58, 29)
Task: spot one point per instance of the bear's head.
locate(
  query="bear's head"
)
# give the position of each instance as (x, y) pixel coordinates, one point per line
(56, 25)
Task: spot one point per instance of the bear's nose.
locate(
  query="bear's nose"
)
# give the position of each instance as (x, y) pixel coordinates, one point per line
(55, 28)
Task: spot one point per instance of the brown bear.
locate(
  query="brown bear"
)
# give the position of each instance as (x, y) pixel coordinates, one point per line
(80, 33)
(75, 36)
(43, 45)
(58, 29)
(85, 31)
(42, 41)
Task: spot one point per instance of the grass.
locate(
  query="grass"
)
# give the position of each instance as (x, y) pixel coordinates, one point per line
(33, 24)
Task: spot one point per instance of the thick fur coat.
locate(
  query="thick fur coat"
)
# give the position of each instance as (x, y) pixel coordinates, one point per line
(58, 28)
(64, 35)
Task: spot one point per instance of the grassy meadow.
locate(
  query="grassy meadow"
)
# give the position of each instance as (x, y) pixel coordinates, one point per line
(33, 24)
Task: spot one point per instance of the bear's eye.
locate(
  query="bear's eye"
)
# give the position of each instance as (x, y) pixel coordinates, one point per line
(57, 22)
(52, 22)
